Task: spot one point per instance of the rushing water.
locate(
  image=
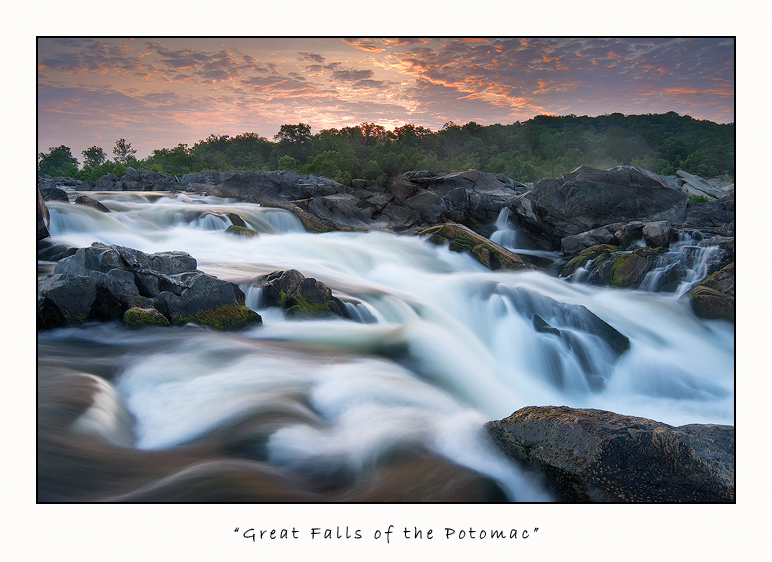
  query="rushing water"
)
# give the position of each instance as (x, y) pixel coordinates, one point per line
(441, 346)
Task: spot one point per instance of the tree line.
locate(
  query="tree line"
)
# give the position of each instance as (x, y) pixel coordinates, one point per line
(544, 146)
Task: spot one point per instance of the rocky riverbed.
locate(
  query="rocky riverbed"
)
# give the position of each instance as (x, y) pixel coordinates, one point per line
(623, 228)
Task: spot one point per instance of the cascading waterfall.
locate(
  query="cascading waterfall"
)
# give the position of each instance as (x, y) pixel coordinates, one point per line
(438, 345)
(689, 257)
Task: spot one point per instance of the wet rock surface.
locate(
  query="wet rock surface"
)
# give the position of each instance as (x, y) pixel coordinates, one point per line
(585, 455)
(104, 282)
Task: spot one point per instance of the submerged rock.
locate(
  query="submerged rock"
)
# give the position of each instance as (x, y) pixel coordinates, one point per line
(586, 455)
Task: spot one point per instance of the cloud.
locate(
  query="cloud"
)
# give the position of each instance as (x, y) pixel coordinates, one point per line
(92, 56)
(312, 57)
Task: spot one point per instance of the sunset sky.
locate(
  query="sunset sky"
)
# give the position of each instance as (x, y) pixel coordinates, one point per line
(159, 92)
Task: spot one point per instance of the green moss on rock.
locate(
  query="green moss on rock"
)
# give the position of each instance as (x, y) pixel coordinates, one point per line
(298, 307)
(463, 240)
(136, 317)
(225, 317)
(597, 253)
(241, 231)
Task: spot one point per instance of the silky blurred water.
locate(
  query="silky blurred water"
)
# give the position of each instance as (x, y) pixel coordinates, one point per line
(444, 346)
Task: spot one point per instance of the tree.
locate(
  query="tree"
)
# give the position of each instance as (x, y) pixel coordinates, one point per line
(295, 134)
(94, 156)
(56, 161)
(123, 151)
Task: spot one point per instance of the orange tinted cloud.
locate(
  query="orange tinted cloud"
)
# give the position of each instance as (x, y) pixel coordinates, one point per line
(724, 90)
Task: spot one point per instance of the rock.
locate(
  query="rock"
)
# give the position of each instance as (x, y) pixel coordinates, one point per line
(626, 234)
(585, 455)
(657, 234)
(343, 210)
(236, 220)
(402, 190)
(607, 265)
(463, 239)
(242, 231)
(399, 217)
(256, 186)
(571, 245)
(43, 218)
(125, 278)
(299, 296)
(89, 202)
(586, 199)
(589, 258)
(428, 204)
(629, 269)
(136, 317)
(54, 194)
(714, 297)
(719, 214)
(48, 251)
(698, 186)
(64, 299)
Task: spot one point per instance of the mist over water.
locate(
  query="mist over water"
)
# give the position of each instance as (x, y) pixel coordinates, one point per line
(442, 346)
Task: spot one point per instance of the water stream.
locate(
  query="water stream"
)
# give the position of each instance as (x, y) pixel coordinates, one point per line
(440, 346)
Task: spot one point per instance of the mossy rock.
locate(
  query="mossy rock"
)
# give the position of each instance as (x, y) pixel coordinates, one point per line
(225, 317)
(711, 304)
(629, 270)
(136, 317)
(714, 297)
(597, 253)
(463, 240)
(241, 231)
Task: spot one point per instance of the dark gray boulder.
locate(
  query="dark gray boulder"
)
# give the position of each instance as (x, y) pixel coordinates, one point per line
(64, 299)
(586, 199)
(125, 278)
(89, 202)
(657, 234)
(585, 455)
(300, 296)
(54, 194)
(571, 245)
(429, 205)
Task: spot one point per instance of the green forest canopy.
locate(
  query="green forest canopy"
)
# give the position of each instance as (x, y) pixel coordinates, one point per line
(545, 146)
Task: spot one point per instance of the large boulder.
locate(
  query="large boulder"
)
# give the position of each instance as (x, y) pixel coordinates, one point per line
(52, 193)
(300, 296)
(718, 215)
(585, 455)
(64, 299)
(587, 198)
(123, 279)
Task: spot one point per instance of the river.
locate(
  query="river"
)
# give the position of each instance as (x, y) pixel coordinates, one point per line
(337, 409)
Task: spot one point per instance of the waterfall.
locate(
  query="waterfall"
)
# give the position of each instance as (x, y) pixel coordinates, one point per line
(687, 260)
(436, 346)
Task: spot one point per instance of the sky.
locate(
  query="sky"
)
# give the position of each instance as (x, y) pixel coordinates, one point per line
(159, 92)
